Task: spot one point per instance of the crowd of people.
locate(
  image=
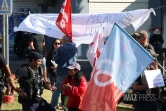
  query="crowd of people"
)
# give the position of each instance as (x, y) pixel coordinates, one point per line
(47, 70)
(58, 71)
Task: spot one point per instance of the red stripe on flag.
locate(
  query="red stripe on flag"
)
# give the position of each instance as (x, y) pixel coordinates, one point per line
(100, 98)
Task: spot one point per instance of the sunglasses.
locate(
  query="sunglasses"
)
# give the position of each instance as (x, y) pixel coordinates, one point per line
(57, 43)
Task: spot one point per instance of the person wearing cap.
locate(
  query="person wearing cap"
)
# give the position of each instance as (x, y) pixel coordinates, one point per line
(74, 86)
(156, 40)
(140, 88)
(30, 79)
(142, 38)
(66, 55)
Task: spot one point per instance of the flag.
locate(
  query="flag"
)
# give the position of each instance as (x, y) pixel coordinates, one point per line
(63, 21)
(119, 65)
(95, 48)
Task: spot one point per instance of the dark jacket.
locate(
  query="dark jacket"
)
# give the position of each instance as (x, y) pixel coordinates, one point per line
(66, 55)
(155, 39)
(49, 64)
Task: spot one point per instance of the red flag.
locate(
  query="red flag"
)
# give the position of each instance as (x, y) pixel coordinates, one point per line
(63, 21)
(100, 98)
(96, 47)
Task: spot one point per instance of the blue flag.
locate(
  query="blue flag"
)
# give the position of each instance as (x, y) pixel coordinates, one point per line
(124, 58)
(121, 62)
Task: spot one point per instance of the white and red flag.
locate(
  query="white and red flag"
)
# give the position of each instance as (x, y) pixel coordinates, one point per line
(121, 62)
(96, 47)
(63, 21)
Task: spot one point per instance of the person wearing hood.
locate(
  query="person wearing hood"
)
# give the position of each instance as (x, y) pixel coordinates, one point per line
(156, 40)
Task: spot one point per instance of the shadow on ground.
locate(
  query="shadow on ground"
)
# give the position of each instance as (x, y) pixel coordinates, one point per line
(12, 110)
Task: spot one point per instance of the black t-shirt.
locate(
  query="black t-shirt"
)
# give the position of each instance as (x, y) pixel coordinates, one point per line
(139, 82)
(2, 61)
(21, 72)
(2, 64)
(38, 40)
(30, 80)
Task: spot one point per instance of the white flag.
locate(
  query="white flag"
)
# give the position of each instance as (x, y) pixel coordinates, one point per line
(96, 47)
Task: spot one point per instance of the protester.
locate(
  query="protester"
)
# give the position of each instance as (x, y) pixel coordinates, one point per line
(30, 79)
(142, 38)
(51, 68)
(66, 55)
(4, 73)
(37, 44)
(74, 86)
(156, 40)
(142, 91)
(140, 86)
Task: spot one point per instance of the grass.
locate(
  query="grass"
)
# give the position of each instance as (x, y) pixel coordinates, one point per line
(15, 106)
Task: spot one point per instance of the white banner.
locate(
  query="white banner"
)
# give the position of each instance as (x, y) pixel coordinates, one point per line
(84, 26)
(154, 78)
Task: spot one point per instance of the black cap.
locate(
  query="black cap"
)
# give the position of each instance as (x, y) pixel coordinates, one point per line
(35, 55)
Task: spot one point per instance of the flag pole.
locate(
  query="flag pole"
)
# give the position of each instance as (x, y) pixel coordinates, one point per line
(162, 66)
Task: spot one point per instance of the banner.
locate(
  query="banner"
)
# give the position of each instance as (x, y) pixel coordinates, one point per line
(119, 65)
(84, 26)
